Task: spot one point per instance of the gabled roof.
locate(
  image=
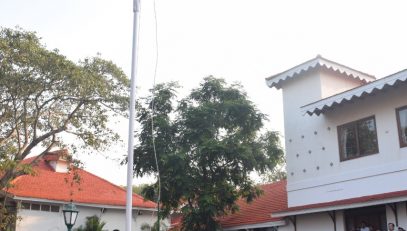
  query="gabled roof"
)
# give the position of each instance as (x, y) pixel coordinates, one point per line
(368, 89)
(317, 62)
(47, 184)
(259, 210)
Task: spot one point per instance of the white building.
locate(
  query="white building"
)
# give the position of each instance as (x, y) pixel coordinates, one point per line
(346, 149)
(40, 198)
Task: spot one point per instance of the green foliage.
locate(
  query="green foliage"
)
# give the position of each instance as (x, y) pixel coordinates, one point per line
(207, 145)
(44, 95)
(139, 189)
(93, 223)
(277, 174)
(8, 217)
(147, 227)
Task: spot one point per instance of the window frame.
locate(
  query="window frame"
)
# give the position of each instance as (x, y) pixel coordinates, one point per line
(54, 208)
(402, 144)
(355, 125)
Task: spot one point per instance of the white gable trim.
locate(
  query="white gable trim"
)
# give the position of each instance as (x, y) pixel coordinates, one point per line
(278, 79)
(257, 225)
(358, 92)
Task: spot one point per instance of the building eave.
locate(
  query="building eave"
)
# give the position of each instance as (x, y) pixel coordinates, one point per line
(257, 225)
(368, 89)
(106, 206)
(301, 210)
(278, 79)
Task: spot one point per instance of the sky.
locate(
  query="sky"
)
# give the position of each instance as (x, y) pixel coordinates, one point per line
(240, 41)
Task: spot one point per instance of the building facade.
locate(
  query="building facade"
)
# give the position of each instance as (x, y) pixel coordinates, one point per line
(346, 148)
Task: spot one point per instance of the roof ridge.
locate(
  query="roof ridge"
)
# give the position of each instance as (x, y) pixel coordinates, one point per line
(298, 65)
(353, 69)
(277, 79)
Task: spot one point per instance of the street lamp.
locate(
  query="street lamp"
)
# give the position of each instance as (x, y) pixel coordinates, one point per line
(70, 215)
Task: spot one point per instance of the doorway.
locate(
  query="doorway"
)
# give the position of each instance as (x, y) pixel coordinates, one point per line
(374, 216)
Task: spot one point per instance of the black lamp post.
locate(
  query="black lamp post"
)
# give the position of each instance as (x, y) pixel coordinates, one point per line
(70, 215)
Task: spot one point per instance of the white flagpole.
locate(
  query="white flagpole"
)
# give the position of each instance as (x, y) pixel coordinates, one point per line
(132, 109)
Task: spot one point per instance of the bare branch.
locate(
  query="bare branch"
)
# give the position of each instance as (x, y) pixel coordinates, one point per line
(10, 135)
(70, 116)
(53, 142)
(51, 133)
(16, 126)
(26, 135)
(37, 113)
(74, 133)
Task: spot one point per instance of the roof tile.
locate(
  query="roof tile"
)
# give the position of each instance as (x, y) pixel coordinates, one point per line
(261, 209)
(50, 185)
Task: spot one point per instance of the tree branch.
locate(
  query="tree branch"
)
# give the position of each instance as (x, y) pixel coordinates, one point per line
(53, 142)
(16, 126)
(50, 133)
(24, 118)
(10, 135)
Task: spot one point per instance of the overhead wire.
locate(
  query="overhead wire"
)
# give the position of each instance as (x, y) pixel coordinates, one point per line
(153, 112)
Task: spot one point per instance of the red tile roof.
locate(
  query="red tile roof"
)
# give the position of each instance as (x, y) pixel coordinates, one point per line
(176, 220)
(50, 185)
(261, 209)
(274, 200)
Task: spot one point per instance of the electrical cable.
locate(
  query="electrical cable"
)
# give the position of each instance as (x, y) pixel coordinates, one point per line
(153, 112)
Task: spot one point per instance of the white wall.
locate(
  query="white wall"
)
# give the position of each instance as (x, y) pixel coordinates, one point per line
(316, 222)
(333, 83)
(315, 172)
(50, 221)
(59, 166)
(38, 220)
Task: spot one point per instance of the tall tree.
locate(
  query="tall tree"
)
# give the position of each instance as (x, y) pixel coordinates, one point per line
(44, 95)
(207, 145)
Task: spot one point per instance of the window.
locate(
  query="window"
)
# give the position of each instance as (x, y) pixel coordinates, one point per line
(358, 138)
(401, 114)
(25, 205)
(54, 208)
(45, 207)
(41, 207)
(35, 207)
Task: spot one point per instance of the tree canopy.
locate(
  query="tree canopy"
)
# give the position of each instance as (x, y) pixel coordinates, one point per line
(44, 95)
(207, 145)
